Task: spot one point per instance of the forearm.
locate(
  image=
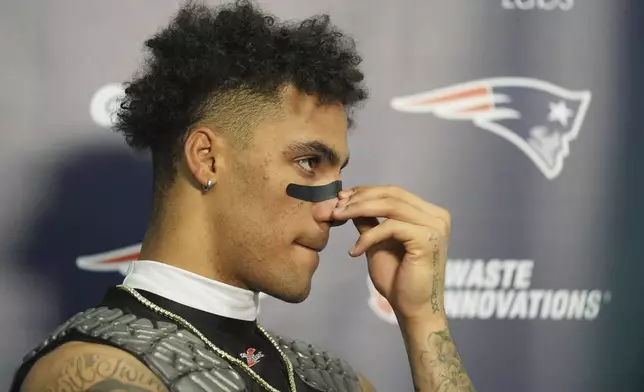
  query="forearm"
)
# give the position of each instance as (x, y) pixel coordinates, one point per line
(435, 363)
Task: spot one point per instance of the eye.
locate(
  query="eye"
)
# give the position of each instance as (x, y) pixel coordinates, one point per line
(309, 163)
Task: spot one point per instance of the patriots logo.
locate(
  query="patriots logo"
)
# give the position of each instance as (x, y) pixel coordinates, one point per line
(538, 117)
(110, 261)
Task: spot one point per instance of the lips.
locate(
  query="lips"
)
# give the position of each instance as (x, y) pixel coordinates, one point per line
(312, 245)
(318, 249)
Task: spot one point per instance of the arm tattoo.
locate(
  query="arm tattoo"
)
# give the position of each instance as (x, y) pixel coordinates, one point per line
(435, 281)
(116, 386)
(97, 373)
(444, 363)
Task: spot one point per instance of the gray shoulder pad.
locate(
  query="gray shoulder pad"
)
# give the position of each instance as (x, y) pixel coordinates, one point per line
(317, 368)
(177, 357)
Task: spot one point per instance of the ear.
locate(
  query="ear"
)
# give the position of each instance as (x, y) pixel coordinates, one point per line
(203, 151)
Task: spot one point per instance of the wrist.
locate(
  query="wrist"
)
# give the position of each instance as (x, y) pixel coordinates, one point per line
(425, 320)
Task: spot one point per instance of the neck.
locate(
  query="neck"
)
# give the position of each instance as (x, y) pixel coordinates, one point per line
(182, 238)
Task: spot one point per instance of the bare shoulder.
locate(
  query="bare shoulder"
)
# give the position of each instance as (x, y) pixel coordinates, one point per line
(86, 367)
(365, 384)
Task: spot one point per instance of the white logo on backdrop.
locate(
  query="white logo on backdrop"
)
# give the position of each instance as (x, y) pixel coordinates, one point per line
(105, 103)
(502, 289)
(541, 5)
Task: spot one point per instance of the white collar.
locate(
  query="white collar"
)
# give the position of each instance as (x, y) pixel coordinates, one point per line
(193, 290)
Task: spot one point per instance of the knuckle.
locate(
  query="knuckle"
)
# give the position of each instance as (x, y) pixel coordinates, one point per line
(446, 217)
(439, 224)
(393, 190)
(438, 228)
(444, 229)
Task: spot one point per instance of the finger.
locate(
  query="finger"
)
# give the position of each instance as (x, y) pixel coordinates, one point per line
(364, 224)
(389, 208)
(359, 193)
(416, 239)
(365, 192)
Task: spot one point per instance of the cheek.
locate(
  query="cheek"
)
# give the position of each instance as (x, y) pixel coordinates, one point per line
(280, 208)
(267, 217)
(272, 217)
(284, 216)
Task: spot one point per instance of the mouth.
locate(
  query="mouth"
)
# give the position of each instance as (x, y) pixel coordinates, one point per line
(314, 248)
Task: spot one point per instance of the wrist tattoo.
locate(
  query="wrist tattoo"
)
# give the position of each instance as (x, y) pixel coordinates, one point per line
(444, 363)
(434, 299)
(435, 281)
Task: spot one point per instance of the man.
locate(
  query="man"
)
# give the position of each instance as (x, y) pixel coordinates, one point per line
(247, 123)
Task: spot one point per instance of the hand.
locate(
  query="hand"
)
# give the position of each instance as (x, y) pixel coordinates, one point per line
(406, 252)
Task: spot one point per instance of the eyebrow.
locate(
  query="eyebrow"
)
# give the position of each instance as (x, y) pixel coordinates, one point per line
(317, 147)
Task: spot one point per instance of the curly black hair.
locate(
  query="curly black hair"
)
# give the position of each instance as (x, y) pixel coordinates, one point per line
(210, 61)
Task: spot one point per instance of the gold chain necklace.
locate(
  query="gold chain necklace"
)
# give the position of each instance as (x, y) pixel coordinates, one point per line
(222, 353)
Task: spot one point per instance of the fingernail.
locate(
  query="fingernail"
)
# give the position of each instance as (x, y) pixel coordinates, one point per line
(352, 250)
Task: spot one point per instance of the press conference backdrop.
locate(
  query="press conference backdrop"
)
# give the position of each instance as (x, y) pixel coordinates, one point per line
(522, 117)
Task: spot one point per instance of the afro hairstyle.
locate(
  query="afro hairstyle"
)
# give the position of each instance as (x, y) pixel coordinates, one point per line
(228, 64)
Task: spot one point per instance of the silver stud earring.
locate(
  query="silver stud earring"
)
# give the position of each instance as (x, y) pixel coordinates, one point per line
(208, 186)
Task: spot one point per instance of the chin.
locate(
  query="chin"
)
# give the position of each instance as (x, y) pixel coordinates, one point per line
(290, 281)
(295, 299)
(292, 294)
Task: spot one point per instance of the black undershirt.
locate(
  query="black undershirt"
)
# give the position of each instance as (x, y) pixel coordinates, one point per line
(231, 335)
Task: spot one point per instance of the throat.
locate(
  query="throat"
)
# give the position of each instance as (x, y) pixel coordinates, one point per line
(173, 239)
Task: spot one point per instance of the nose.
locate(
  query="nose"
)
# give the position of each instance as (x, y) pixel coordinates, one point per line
(323, 212)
